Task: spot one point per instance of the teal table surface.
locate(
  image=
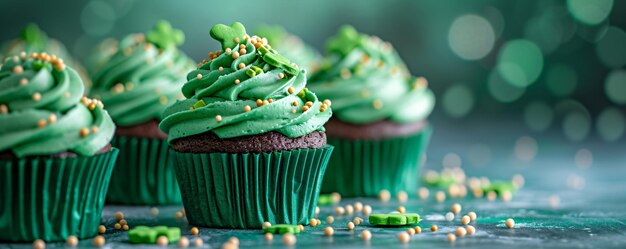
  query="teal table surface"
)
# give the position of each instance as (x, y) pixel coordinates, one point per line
(590, 213)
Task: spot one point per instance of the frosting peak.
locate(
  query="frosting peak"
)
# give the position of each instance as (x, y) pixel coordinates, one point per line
(246, 89)
(141, 78)
(368, 82)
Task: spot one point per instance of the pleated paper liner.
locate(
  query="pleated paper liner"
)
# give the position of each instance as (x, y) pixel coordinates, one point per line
(365, 167)
(53, 198)
(143, 174)
(244, 190)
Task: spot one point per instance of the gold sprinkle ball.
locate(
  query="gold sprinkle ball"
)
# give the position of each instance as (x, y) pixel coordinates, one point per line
(418, 229)
(384, 195)
(198, 242)
(510, 223)
(269, 236)
(266, 224)
(460, 231)
(330, 219)
(472, 216)
(451, 237)
(404, 237)
(183, 242)
(367, 210)
(194, 231)
(162, 241)
(289, 239)
(465, 220)
(401, 209)
(340, 210)
(349, 209)
(433, 228)
(471, 230)
(39, 244)
(98, 241)
(366, 235)
(102, 229)
(328, 231)
(351, 225)
(71, 241)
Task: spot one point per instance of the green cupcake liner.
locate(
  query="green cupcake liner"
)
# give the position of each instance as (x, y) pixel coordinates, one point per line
(365, 167)
(53, 198)
(245, 190)
(143, 174)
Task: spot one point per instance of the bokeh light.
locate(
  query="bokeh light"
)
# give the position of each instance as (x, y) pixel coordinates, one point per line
(520, 62)
(538, 115)
(550, 29)
(97, 18)
(501, 90)
(479, 155)
(583, 159)
(451, 160)
(526, 148)
(611, 124)
(458, 100)
(471, 37)
(576, 126)
(615, 86)
(561, 80)
(590, 11)
(611, 49)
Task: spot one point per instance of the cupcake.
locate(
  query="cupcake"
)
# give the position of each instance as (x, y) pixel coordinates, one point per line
(55, 155)
(248, 143)
(291, 47)
(34, 40)
(137, 83)
(379, 127)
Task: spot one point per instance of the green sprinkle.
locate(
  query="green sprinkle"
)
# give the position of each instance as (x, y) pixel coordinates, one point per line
(34, 37)
(164, 36)
(198, 104)
(290, 69)
(276, 60)
(282, 229)
(149, 235)
(499, 187)
(257, 70)
(227, 34)
(263, 50)
(250, 72)
(394, 219)
(345, 41)
(324, 200)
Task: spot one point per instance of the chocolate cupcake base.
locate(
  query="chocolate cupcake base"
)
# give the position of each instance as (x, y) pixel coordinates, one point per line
(208, 142)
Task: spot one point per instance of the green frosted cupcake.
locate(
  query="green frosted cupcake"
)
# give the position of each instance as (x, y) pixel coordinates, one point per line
(248, 142)
(55, 157)
(34, 40)
(379, 127)
(291, 47)
(137, 83)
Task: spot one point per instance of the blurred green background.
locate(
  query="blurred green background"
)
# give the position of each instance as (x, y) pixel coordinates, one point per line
(543, 66)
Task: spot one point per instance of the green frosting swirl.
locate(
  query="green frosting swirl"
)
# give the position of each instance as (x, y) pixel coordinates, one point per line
(368, 82)
(291, 47)
(41, 111)
(245, 94)
(34, 40)
(142, 77)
